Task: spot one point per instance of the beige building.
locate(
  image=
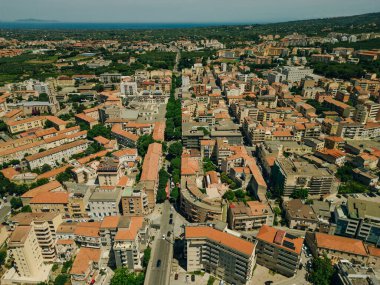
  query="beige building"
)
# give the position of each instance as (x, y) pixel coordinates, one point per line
(85, 266)
(249, 216)
(109, 172)
(223, 255)
(278, 250)
(337, 247)
(45, 226)
(57, 155)
(299, 215)
(27, 258)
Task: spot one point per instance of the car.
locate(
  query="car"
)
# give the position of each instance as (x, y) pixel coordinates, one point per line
(163, 236)
(192, 277)
(170, 221)
(158, 264)
(169, 233)
(176, 276)
(268, 282)
(171, 216)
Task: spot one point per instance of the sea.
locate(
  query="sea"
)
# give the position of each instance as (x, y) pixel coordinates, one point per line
(105, 26)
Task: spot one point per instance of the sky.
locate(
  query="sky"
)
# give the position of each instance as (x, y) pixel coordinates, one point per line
(182, 11)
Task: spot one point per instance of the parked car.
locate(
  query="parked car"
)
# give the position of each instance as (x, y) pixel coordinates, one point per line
(176, 276)
(193, 278)
(158, 263)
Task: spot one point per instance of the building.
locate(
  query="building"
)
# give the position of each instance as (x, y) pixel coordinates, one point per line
(336, 247)
(289, 174)
(249, 216)
(57, 155)
(45, 226)
(359, 218)
(132, 234)
(104, 203)
(299, 215)
(222, 254)
(28, 264)
(85, 266)
(278, 250)
(109, 172)
(350, 274)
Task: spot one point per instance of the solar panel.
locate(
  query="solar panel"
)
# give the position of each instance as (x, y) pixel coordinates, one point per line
(290, 236)
(288, 244)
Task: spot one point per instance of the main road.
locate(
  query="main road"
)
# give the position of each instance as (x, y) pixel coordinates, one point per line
(162, 250)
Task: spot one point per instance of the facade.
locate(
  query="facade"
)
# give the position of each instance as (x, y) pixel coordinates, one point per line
(288, 175)
(249, 216)
(359, 218)
(104, 203)
(221, 254)
(278, 250)
(300, 216)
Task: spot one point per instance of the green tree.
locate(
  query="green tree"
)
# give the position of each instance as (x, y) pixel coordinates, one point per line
(229, 195)
(174, 194)
(26, 209)
(122, 277)
(300, 194)
(143, 143)
(208, 165)
(147, 253)
(61, 279)
(162, 183)
(3, 256)
(323, 271)
(175, 150)
(16, 203)
(45, 168)
(43, 97)
(99, 130)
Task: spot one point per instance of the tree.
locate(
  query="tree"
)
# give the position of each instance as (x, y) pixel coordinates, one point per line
(322, 272)
(208, 165)
(143, 143)
(300, 194)
(175, 150)
(174, 194)
(3, 126)
(147, 253)
(43, 97)
(99, 130)
(16, 203)
(26, 209)
(122, 276)
(229, 195)
(3, 256)
(162, 183)
(45, 168)
(61, 279)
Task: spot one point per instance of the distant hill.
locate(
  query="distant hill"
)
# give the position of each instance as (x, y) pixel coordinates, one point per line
(350, 24)
(31, 20)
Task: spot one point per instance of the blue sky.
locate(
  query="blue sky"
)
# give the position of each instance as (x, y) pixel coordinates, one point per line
(166, 11)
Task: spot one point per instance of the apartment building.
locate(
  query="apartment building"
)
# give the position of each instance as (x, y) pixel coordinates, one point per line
(57, 155)
(222, 254)
(45, 226)
(299, 215)
(359, 218)
(131, 235)
(55, 202)
(85, 266)
(104, 203)
(336, 247)
(123, 137)
(278, 250)
(87, 234)
(24, 125)
(149, 173)
(28, 263)
(249, 216)
(289, 174)
(134, 202)
(109, 172)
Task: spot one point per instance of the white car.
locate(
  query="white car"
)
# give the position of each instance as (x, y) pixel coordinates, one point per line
(163, 236)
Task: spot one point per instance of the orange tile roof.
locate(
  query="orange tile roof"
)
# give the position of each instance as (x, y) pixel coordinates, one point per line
(151, 162)
(123, 181)
(9, 172)
(83, 260)
(130, 233)
(373, 251)
(88, 229)
(102, 140)
(159, 131)
(92, 156)
(189, 165)
(110, 222)
(339, 243)
(85, 118)
(42, 189)
(126, 151)
(52, 173)
(269, 234)
(226, 239)
(119, 131)
(51, 198)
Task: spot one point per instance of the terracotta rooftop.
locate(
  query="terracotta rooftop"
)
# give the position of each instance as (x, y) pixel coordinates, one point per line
(42, 189)
(339, 243)
(151, 162)
(51, 198)
(84, 259)
(226, 239)
(130, 233)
